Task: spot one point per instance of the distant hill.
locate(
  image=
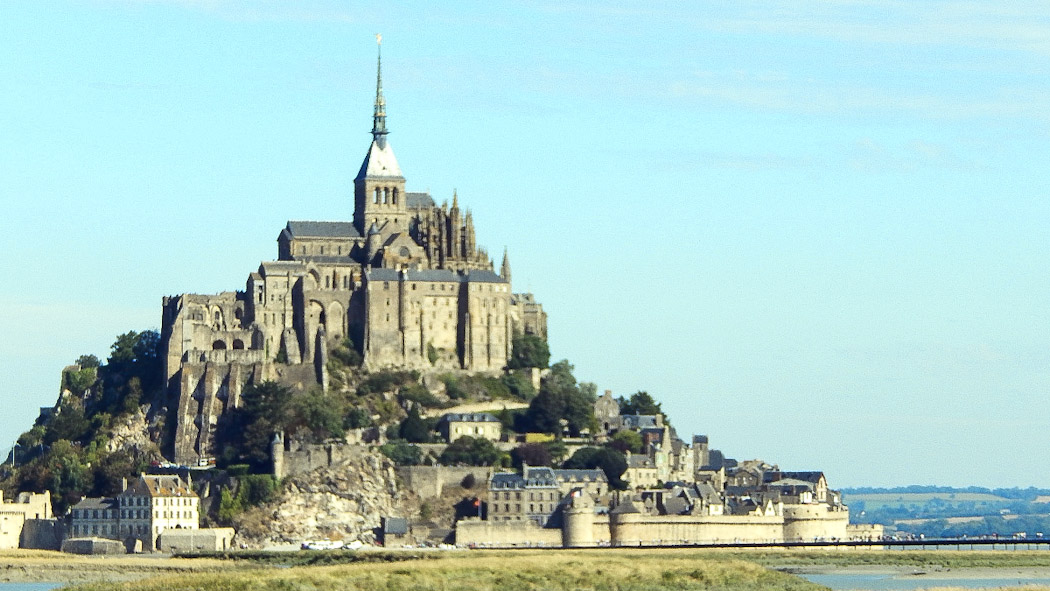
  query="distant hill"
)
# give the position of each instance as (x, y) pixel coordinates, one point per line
(952, 512)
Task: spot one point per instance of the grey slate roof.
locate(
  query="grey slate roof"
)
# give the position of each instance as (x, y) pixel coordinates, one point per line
(326, 259)
(580, 475)
(772, 476)
(505, 480)
(640, 461)
(397, 526)
(469, 417)
(418, 200)
(474, 276)
(308, 229)
(639, 421)
(106, 503)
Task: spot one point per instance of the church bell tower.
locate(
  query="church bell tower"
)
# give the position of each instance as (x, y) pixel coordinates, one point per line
(379, 189)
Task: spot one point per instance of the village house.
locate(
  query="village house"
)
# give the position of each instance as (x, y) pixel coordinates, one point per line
(146, 507)
(479, 425)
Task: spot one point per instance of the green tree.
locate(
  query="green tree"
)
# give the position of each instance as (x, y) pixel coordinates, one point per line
(256, 489)
(402, 453)
(533, 454)
(316, 416)
(470, 451)
(357, 418)
(528, 350)
(560, 398)
(88, 362)
(414, 428)
(245, 432)
(229, 507)
(640, 403)
(78, 381)
(518, 385)
(609, 460)
(627, 440)
(68, 423)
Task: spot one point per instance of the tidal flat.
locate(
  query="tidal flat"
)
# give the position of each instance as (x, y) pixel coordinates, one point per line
(600, 569)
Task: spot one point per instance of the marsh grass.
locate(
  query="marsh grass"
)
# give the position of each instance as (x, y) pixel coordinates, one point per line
(529, 570)
(608, 570)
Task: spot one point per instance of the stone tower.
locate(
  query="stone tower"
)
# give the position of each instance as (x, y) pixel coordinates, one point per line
(379, 189)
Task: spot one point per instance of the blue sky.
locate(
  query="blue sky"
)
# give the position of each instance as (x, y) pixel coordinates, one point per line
(819, 233)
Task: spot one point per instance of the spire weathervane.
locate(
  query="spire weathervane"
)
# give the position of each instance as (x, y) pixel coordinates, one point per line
(379, 117)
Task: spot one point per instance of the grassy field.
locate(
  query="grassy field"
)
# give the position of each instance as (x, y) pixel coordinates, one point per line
(605, 570)
(586, 570)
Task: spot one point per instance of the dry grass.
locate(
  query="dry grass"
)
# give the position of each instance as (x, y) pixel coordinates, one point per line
(586, 570)
(606, 570)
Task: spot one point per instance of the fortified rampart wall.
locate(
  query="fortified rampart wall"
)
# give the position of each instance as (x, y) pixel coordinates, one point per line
(636, 529)
(427, 481)
(506, 534)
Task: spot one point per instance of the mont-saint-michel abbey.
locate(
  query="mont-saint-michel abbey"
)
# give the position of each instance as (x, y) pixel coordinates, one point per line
(381, 383)
(405, 281)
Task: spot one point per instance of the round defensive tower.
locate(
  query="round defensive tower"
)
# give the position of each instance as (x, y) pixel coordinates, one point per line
(578, 526)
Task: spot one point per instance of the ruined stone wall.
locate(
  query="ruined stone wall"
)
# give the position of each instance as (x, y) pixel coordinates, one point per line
(43, 534)
(305, 457)
(428, 481)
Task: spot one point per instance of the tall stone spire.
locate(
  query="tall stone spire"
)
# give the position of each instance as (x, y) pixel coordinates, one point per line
(504, 271)
(379, 117)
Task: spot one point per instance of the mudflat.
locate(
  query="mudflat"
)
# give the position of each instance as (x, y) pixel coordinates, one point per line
(57, 567)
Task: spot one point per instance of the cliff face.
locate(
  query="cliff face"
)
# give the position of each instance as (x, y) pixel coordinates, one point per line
(341, 502)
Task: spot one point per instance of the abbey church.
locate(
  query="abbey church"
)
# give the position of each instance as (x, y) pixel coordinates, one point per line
(405, 282)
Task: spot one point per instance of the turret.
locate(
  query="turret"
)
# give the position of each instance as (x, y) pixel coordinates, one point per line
(504, 270)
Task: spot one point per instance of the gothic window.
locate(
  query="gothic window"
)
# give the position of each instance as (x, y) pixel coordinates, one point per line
(218, 345)
(238, 344)
(394, 197)
(386, 195)
(377, 195)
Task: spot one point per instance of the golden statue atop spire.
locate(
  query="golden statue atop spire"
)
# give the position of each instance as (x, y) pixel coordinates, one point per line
(379, 38)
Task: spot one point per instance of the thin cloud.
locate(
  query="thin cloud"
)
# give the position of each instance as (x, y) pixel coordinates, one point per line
(1015, 26)
(870, 156)
(808, 95)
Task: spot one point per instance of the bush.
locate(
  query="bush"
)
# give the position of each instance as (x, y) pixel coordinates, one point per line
(419, 394)
(402, 454)
(528, 351)
(386, 381)
(357, 418)
(470, 451)
(611, 461)
(346, 354)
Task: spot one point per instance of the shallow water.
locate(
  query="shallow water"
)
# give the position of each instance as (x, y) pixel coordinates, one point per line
(29, 586)
(894, 581)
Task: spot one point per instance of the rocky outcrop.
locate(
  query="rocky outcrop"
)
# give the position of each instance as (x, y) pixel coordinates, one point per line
(130, 433)
(341, 502)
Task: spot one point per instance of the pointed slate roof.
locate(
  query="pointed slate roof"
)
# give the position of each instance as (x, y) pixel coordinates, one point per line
(379, 162)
